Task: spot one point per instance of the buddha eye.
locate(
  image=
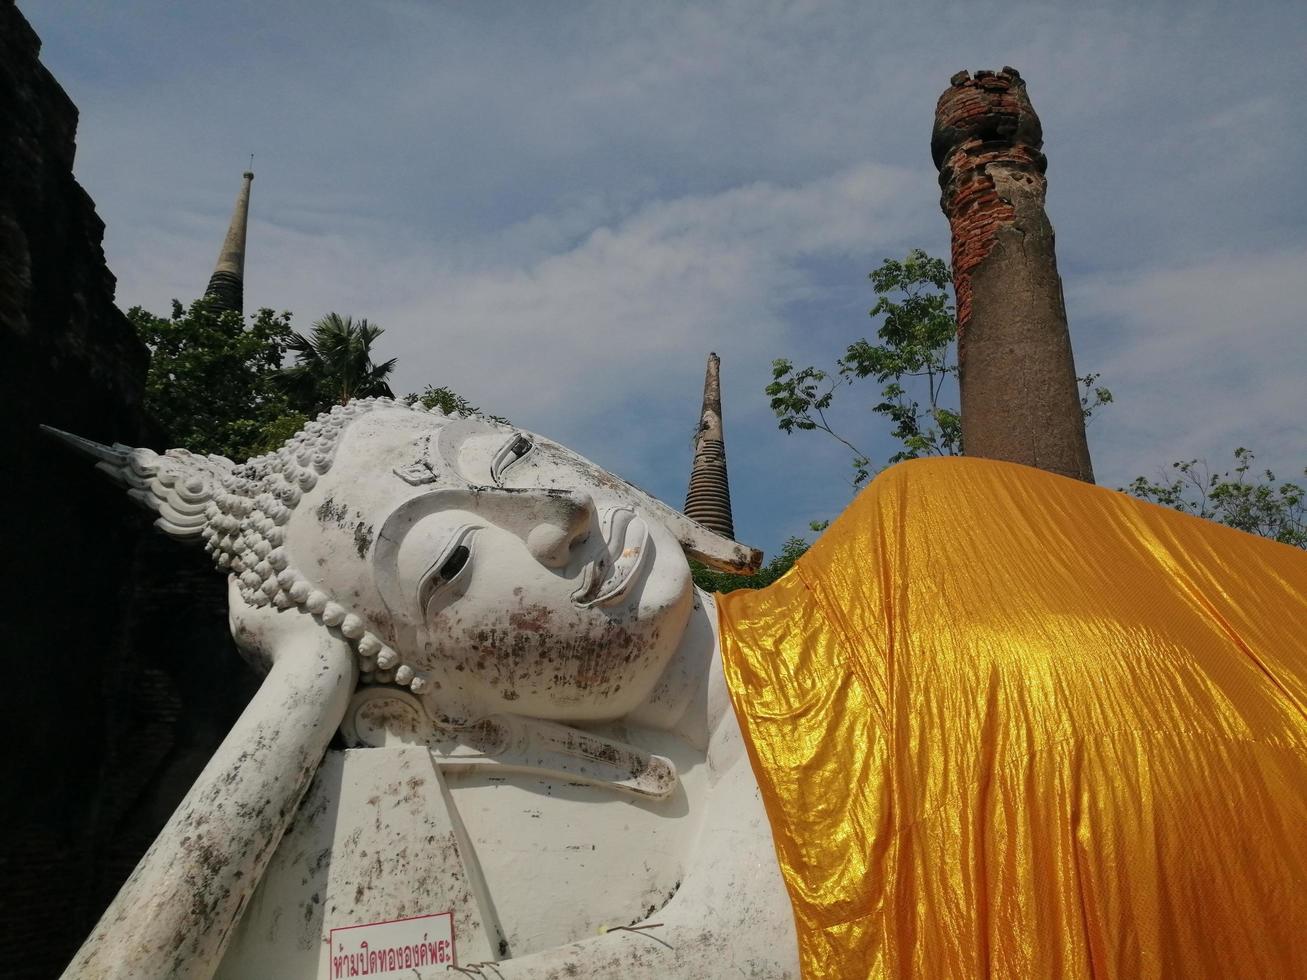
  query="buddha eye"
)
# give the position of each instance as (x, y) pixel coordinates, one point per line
(454, 564)
(446, 574)
(509, 453)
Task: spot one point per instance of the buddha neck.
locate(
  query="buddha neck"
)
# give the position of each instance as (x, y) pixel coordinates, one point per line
(688, 698)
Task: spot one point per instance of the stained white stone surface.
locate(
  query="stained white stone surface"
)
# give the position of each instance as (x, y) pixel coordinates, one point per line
(539, 738)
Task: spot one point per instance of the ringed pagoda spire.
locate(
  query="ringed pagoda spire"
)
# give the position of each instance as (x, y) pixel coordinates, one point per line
(708, 499)
(227, 284)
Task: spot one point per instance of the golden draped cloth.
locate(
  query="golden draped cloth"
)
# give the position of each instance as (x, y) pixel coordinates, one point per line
(1011, 725)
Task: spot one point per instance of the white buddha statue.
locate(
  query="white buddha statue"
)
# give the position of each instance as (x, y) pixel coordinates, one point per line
(537, 760)
(1004, 724)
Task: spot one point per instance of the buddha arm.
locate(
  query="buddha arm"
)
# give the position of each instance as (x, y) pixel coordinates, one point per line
(731, 913)
(175, 913)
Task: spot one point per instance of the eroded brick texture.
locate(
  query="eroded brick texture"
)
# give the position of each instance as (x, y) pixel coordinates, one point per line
(981, 124)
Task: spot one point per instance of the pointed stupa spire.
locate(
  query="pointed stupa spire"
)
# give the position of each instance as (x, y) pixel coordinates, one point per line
(227, 284)
(708, 500)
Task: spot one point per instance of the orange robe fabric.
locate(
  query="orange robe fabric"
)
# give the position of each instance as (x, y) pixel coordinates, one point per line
(1011, 725)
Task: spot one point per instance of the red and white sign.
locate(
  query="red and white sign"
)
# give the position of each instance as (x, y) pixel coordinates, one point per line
(382, 949)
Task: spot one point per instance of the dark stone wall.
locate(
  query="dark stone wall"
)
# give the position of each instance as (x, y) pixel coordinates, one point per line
(121, 679)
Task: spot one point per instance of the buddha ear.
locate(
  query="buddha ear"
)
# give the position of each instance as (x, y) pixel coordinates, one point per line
(699, 543)
(712, 549)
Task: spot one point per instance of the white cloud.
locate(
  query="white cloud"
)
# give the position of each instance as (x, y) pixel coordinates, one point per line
(627, 313)
(614, 324)
(1204, 357)
(561, 209)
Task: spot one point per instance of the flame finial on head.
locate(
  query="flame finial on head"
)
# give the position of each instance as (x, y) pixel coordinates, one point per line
(178, 485)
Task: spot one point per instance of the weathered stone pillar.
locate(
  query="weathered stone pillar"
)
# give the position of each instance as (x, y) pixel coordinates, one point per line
(708, 499)
(227, 284)
(1020, 400)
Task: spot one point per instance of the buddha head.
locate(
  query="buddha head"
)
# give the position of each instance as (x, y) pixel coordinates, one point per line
(486, 568)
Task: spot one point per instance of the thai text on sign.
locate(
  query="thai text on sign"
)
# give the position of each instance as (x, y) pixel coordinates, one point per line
(376, 949)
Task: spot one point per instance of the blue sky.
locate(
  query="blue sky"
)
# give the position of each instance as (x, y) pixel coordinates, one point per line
(560, 209)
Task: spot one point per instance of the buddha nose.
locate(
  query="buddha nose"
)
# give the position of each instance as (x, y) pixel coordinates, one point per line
(560, 519)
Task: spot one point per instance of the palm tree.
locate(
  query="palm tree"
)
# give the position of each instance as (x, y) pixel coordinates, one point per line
(334, 363)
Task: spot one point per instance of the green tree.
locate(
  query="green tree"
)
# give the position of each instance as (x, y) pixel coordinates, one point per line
(450, 402)
(1254, 501)
(277, 432)
(914, 362)
(217, 385)
(334, 363)
(211, 381)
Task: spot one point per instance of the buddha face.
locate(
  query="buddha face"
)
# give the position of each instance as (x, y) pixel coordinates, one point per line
(522, 578)
(483, 567)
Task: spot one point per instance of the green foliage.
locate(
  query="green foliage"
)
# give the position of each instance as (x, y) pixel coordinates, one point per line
(219, 386)
(451, 403)
(800, 399)
(917, 338)
(211, 382)
(1093, 396)
(914, 362)
(334, 364)
(1256, 502)
(279, 431)
(713, 581)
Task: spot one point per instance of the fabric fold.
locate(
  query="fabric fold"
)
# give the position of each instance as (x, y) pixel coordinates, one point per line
(1009, 724)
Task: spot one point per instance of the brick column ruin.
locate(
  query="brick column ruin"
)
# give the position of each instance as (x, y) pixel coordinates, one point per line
(1020, 399)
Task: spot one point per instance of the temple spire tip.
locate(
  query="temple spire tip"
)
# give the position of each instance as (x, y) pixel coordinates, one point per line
(227, 284)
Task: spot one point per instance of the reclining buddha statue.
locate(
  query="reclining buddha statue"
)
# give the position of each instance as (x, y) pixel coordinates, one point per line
(995, 722)
(503, 646)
